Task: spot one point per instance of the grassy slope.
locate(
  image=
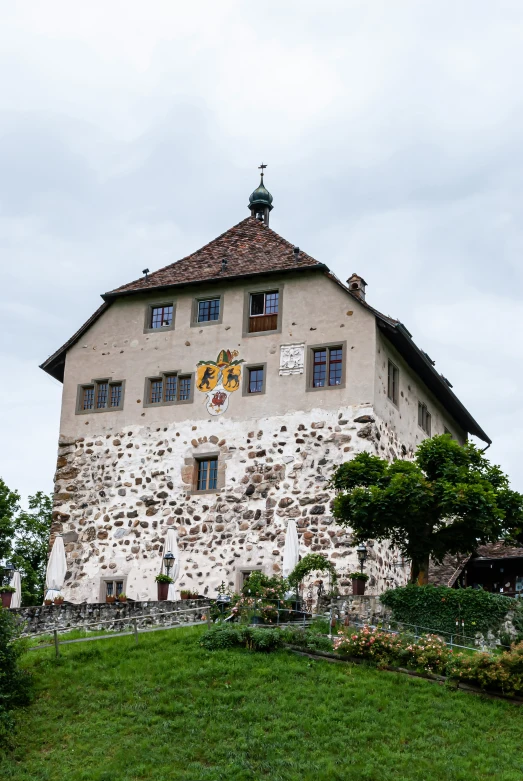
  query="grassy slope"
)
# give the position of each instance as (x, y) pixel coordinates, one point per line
(167, 709)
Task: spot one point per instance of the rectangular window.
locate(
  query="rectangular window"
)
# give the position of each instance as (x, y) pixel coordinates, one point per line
(113, 588)
(101, 396)
(116, 394)
(88, 398)
(393, 383)
(208, 310)
(263, 311)
(156, 396)
(171, 386)
(327, 366)
(185, 389)
(207, 474)
(424, 418)
(161, 316)
(255, 382)
(168, 389)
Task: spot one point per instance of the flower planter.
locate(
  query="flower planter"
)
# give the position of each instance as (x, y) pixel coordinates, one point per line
(110, 600)
(6, 598)
(358, 587)
(163, 591)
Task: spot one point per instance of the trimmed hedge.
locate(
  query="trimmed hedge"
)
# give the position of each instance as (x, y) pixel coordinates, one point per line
(224, 636)
(438, 607)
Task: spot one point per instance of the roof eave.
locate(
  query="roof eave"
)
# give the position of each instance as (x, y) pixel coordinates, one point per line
(401, 339)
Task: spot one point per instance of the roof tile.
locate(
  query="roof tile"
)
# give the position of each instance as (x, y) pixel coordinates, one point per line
(250, 247)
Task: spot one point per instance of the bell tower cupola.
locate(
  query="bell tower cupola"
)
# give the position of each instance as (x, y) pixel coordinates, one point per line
(260, 201)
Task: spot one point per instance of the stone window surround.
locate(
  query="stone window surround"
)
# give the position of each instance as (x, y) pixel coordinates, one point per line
(396, 402)
(205, 455)
(245, 384)
(194, 310)
(268, 288)
(148, 315)
(240, 572)
(162, 376)
(111, 579)
(310, 365)
(95, 382)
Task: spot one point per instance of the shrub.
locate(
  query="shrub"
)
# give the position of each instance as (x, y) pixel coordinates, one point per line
(311, 563)
(429, 653)
(223, 636)
(438, 607)
(15, 684)
(501, 672)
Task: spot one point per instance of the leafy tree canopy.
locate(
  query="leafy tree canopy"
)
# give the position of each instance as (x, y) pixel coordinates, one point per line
(24, 537)
(449, 499)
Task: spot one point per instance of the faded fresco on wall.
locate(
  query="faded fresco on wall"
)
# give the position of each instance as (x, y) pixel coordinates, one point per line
(218, 379)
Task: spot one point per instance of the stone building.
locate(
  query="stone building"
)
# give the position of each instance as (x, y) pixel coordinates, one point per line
(215, 396)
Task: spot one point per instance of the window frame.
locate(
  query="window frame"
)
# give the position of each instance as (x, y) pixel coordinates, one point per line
(246, 378)
(95, 383)
(104, 580)
(248, 292)
(162, 377)
(147, 329)
(423, 412)
(208, 459)
(309, 375)
(195, 323)
(395, 397)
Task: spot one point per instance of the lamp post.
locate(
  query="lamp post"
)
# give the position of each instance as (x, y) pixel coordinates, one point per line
(362, 553)
(8, 569)
(168, 562)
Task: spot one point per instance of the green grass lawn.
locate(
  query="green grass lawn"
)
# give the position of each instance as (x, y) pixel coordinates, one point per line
(166, 709)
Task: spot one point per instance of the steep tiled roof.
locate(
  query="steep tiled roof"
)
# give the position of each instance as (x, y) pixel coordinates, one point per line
(250, 247)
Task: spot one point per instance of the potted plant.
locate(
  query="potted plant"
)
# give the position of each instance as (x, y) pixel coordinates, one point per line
(48, 601)
(6, 592)
(163, 582)
(110, 598)
(358, 583)
(122, 597)
(185, 594)
(58, 600)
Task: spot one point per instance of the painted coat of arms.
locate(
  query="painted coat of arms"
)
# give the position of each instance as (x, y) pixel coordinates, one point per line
(218, 379)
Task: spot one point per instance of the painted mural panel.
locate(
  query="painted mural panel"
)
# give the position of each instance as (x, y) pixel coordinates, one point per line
(218, 379)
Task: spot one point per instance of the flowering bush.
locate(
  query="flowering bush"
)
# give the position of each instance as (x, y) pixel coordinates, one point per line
(503, 672)
(428, 653)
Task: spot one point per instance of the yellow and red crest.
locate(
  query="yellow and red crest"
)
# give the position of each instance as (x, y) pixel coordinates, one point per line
(218, 379)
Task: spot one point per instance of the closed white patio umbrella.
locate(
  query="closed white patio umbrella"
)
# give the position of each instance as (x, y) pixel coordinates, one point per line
(56, 569)
(291, 549)
(16, 582)
(171, 546)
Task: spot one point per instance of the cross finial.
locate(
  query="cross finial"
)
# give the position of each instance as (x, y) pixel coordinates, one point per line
(261, 167)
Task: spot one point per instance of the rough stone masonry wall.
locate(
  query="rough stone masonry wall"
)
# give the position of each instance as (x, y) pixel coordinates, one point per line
(116, 496)
(117, 616)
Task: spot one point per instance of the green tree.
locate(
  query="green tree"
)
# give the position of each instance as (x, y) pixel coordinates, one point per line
(30, 546)
(9, 506)
(449, 499)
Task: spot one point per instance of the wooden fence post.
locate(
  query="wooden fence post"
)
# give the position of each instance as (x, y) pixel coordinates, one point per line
(56, 644)
(135, 629)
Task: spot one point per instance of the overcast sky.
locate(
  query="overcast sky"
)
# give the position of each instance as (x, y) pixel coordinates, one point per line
(131, 132)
